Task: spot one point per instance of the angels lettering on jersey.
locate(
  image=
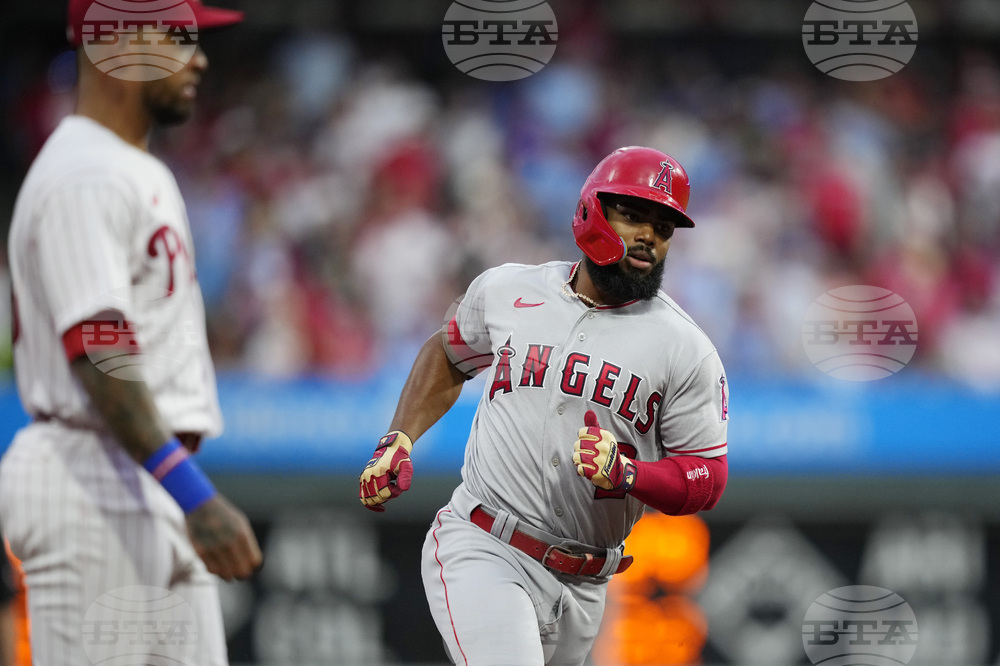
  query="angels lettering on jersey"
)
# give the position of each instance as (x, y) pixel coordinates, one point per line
(613, 387)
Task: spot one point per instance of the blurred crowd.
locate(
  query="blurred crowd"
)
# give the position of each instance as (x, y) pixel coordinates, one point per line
(340, 202)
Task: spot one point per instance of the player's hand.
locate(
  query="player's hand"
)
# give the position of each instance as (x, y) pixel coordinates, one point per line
(223, 539)
(389, 471)
(596, 455)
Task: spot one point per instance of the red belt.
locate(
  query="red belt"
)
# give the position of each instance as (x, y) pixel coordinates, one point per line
(551, 556)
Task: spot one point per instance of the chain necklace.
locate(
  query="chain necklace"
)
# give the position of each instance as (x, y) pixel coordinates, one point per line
(586, 299)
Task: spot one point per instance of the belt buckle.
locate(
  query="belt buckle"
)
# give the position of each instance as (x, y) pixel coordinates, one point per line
(584, 560)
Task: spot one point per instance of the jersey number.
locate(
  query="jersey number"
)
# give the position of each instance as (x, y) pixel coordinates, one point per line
(600, 493)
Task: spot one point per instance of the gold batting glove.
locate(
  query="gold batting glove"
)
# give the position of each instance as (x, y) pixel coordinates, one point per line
(596, 456)
(388, 473)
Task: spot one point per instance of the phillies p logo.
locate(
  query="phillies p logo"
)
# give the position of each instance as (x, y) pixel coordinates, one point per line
(663, 180)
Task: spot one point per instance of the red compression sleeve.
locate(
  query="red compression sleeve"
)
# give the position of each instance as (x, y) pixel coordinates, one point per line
(681, 485)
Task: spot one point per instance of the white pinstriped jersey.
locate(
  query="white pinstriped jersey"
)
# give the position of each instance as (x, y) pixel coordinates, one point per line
(100, 225)
(652, 376)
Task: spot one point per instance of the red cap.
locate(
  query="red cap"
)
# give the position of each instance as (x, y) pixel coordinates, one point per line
(205, 17)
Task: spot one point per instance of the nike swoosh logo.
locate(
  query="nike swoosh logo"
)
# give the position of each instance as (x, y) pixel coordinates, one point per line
(521, 304)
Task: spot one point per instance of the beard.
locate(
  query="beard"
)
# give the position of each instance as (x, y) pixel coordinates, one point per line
(166, 115)
(624, 284)
(165, 104)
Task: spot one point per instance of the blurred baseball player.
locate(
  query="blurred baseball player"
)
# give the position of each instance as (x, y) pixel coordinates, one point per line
(98, 495)
(515, 567)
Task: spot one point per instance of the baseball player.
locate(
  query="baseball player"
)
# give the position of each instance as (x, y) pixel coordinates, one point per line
(603, 397)
(117, 528)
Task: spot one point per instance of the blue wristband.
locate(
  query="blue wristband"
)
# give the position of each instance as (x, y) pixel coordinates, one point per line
(180, 476)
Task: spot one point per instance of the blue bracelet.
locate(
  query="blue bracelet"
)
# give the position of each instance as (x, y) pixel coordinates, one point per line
(180, 476)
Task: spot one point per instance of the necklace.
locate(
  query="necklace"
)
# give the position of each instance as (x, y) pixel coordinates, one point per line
(586, 299)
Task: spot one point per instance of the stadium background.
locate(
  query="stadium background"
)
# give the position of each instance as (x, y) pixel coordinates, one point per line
(345, 182)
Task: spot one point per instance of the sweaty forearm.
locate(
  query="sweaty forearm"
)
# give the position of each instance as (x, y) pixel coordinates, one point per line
(430, 391)
(127, 408)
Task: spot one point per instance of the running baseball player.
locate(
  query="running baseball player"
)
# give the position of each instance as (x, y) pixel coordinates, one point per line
(603, 397)
(112, 519)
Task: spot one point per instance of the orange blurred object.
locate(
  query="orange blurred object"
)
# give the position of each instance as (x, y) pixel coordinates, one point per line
(671, 553)
(649, 617)
(670, 630)
(19, 609)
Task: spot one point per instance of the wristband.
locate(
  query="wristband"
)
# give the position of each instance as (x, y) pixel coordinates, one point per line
(180, 476)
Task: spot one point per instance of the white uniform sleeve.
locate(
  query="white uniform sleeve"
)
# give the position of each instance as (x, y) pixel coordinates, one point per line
(82, 252)
(695, 420)
(466, 338)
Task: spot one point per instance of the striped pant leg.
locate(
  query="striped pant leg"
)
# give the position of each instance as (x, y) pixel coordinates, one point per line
(109, 570)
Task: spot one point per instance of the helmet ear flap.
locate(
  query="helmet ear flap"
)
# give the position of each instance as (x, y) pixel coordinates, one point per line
(592, 232)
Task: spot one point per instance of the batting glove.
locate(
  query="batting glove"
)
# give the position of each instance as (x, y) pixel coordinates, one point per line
(596, 456)
(389, 471)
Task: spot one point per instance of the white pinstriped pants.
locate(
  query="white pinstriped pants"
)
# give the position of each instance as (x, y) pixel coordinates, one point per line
(111, 574)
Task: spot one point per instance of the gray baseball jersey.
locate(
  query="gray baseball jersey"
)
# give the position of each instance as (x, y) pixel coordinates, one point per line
(99, 225)
(651, 375)
(654, 379)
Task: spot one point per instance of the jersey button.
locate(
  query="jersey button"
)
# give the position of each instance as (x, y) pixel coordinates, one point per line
(555, 462)
(560, 409)
(582, 336)
(590, 315)
(559, 512)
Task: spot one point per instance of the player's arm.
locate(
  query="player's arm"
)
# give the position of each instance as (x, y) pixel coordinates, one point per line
(678, 485)
(447, 359)
(220, 533)
(431, 389)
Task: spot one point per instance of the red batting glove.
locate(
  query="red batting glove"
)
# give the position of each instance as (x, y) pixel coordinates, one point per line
(595, 453)
(389, 471)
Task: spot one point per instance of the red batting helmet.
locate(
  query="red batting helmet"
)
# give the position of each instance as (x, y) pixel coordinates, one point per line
(634, 171)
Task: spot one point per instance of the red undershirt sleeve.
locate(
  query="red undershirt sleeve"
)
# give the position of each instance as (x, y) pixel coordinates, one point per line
(106, 334)
(681, 485)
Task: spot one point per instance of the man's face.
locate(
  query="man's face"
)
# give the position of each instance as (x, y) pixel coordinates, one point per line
(646, 228)
(171, 100)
